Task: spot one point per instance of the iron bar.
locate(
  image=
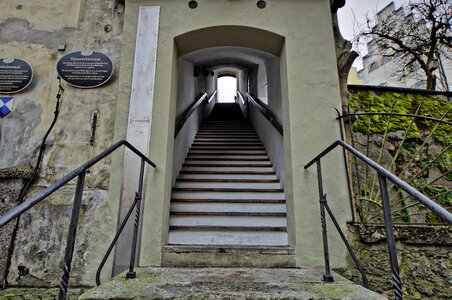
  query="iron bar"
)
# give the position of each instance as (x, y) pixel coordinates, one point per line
(138, 197)
(327, 277)
(347, 170)
(32, 201)
(395, 114)
(110, 248)
(263, 109)
(433, 206)
(180, 122)
(389, 228)
(349, 248)
(71, 237)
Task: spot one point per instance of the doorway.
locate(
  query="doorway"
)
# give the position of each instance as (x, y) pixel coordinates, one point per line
(227, 89)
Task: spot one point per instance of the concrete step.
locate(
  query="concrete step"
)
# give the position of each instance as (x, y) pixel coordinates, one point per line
(224, 237)
(257, 223)
(227, 169)
(229, 283)
(222, 200)
(227, 152)
(222, 164)
(263, 256)
(212, 177)
(192, 157)
(222, 195)
(232, 185)
(226, 208)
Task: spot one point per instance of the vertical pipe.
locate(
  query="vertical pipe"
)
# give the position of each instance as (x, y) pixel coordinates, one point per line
(71, 237)
(395, 274)
(138, 197)
(327, 277)
(347, 167)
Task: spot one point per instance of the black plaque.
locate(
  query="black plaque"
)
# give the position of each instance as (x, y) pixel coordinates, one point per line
(15, 75)
(85, 69)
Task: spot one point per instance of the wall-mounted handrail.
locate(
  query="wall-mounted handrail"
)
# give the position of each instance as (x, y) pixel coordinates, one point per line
(266, 112)
(180, 122)
(242, 99)
(383, 174)
(211, 97)
(80, 172)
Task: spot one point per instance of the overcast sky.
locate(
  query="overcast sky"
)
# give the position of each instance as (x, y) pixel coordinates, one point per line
(354, 13)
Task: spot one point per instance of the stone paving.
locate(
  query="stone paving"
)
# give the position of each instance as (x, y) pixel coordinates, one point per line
(37, 293)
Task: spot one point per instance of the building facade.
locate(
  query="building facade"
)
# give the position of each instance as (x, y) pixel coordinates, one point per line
(282, 51)
(380, 70)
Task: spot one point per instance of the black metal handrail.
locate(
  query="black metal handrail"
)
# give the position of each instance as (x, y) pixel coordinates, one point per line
(383, 174)
(80, 173)
(180, 122)
(267, 113)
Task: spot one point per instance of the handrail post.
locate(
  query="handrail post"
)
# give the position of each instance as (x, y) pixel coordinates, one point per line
(71, 236)
(327, 277)
(138, 196)
(389, 228)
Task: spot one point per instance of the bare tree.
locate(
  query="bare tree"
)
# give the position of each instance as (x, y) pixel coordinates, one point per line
(418, 35)
(344, 54)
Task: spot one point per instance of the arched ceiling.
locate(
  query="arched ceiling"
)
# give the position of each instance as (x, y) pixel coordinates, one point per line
(227, 57)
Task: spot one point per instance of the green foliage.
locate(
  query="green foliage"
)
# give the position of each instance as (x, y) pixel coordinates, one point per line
(431, 217)
(444, 164)
(436, 108)
(412, 157)
(387, 102)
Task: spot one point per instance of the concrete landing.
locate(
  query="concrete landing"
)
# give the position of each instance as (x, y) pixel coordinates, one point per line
(228, 283)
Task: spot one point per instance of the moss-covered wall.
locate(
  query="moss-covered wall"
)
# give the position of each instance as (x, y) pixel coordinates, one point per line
(415, 149)
(423, 253)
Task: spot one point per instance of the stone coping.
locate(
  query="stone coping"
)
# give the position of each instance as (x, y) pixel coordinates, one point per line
(417, 234)
(21, 172)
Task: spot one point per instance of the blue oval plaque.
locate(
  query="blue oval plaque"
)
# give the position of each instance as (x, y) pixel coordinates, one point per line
(85, 69)
(15, 75)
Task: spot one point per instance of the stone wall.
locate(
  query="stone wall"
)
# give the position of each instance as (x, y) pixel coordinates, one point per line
(424, 255)
(11, 182)
(32, 30)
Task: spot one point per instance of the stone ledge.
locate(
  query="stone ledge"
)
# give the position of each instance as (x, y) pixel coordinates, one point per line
(16, 173)
(416, 234)
(229, 283)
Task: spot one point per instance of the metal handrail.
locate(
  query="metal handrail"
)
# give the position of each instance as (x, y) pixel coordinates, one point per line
(242, 99)
(267, 113)
(80, 173)
(180, 122)
(432, 205)
(383, 174)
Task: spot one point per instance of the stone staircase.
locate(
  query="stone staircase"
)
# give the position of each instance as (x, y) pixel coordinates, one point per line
(227, 197)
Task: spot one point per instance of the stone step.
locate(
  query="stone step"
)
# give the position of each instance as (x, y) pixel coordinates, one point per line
(229, 169)
(227, 140)
(222, 200)
(206, 208)
(226, 135)
(226, 177)
(229, 283)
(227, 162)
(227, 152)
(257, 223)
(225, 237)
(222, 195)
(192, 157)
(231, 185)
(226, 148)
